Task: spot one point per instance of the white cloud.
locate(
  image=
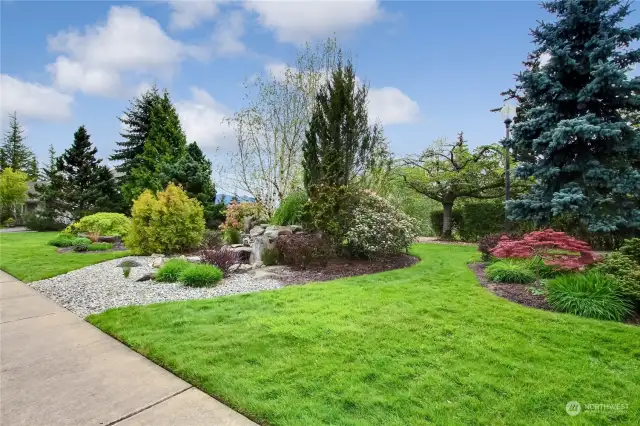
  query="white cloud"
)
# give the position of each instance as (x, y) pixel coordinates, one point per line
(387, 104)
(127, 42)
(70, 76)
(33, 100)
(226, 36)
(190, 13)
(203, 120)
(278, 70)
(300, 21)
(391, 106)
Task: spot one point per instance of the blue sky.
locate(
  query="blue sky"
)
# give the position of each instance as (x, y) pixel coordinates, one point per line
(435, 68)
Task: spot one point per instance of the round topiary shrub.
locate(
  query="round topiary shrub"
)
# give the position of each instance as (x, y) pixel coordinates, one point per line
(111, 224)
(200, 275)
(591, 295)
(510, 271)
(170, 222)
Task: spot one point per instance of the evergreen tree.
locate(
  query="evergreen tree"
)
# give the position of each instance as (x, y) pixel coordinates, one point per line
(584, 156)
(86, 186)
(165, 144)
(193, 172)
(136, 122)
(14, 153)
(50, 168)
(340, 145)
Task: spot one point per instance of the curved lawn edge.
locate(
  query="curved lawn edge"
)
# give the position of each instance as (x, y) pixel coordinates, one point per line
(27, 257)
(398, 347)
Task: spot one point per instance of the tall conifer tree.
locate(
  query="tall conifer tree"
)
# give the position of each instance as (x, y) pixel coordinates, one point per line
(584, 155)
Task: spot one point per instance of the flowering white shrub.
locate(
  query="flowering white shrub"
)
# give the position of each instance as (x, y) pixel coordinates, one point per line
(379, 229)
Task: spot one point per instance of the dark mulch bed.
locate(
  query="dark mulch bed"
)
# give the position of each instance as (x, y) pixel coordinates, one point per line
(340, 268)
(116, 247)
(521, 294)
(518, 293)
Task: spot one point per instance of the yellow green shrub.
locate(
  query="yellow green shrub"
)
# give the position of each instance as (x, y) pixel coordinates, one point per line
(170, 222)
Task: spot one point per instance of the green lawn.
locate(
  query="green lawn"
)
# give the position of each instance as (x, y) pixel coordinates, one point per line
(415, 346)
(26, 256)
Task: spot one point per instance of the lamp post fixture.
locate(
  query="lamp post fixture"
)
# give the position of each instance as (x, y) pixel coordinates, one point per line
(508, 112)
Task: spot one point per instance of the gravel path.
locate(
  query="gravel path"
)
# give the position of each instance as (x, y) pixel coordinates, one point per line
(102, 286)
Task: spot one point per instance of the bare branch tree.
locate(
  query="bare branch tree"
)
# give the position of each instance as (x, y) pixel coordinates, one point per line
(270, 131)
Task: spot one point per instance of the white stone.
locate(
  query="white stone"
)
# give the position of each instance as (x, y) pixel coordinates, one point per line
(157, 262)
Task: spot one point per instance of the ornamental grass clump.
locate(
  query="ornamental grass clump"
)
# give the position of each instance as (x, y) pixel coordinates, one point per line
(196, 275)
(591, 295)
(171, 270)
(510, 271)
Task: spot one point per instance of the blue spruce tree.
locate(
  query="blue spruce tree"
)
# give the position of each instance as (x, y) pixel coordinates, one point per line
(584, 154)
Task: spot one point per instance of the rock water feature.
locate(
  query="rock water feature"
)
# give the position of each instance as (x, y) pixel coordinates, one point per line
(256, 239)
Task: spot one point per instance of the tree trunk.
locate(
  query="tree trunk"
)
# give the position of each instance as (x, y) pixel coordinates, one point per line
(447, 221)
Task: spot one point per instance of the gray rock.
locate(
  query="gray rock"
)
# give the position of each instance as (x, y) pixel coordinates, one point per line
(256, 231)
(242, 249)
(145, 277)
(128, 264)
(234, 268)
(295, 228)
(245, 267)
(157, 262)
(194, 259)
(248, 223)
(236, 245)
(258, 264)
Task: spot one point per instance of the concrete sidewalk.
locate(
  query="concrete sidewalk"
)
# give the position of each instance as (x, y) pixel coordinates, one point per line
(60, 370)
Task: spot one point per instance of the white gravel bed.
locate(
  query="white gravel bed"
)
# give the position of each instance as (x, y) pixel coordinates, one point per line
(99, 287)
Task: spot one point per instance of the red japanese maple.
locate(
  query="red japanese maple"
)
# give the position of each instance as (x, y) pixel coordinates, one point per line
(554, 248)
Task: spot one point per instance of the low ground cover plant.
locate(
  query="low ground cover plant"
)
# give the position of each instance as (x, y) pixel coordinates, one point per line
(81, 246)
(171, 270)
(68, 240)
(100, 246)
(511, 271)
(623, 269)
(111, 224)
(200, 275)
(631, 248)
(270, 256)
(591, 295)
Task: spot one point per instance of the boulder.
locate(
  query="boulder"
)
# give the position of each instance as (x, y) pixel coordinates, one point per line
(233, 246)
(234, 267)
(256, 231)
(194, 259)
(245, 267)
(258, 264)
(145, 277)
(295, 228)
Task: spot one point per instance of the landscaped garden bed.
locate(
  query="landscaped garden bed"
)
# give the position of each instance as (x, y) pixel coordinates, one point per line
(424, 343)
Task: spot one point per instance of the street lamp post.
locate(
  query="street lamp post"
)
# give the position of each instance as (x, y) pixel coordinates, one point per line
(508, 113)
